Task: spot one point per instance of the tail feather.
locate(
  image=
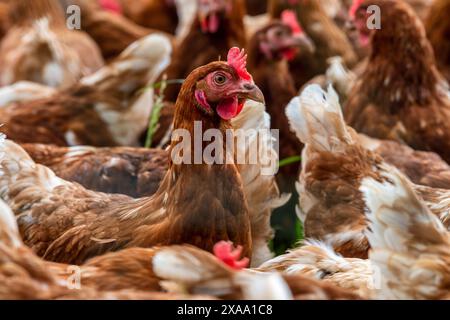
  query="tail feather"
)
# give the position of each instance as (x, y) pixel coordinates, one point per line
(399, 220)
(120, 85)
(263, 286)
(186, 269)
(22, 181)
(317, 260)
(410, 246)
(9, 232)
(316, 118)
(188, 265)
(24, 91)
(339, 76)
(189, 269)
(140, 64)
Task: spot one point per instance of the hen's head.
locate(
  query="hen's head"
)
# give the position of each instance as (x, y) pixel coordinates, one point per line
(283, 39)
(211, 12)
(359, 16)
(221, 88)
(231, 256)
(396, 21)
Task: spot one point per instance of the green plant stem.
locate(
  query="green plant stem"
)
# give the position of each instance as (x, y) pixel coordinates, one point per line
(289, 161)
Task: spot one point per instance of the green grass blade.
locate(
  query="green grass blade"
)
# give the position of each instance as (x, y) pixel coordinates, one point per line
(289, 161)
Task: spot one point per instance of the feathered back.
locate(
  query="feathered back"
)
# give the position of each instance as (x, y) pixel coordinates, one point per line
(410, 246)
(121, 85)
(339, 76)
(24, 91)
(9, 232)
(318, 260)
(18, 172)
(26, 11)
(196, 271)
(316, 118)
(149, 55)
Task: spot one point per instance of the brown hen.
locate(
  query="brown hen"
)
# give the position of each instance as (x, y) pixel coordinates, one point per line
(329, 41)
(400, 97)
(64, 222)
(217, 27)
(139, 172)
(334, 164)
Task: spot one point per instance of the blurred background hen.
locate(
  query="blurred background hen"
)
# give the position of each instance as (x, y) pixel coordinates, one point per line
(86, 175)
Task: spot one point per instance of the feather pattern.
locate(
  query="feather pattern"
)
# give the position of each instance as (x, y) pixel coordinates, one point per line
(409, 244)
(322, 128)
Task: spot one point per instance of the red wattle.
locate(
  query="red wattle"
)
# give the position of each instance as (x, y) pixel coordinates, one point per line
(111, 6)
(204, 25)
(213, 23)
(288, 54)
(227, 109)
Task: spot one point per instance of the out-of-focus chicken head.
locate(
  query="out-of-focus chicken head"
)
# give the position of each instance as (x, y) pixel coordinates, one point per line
(226, 86)
(359, 15)
(210, 13)
(284, 39)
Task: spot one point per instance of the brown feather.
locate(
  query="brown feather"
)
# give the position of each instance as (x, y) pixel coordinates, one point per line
(401, 97)
(199, 48)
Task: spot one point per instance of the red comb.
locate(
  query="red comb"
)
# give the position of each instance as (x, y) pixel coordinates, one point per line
(229, 255)
(355, 6)
(289, 17)
(238, 60)
(111, 5)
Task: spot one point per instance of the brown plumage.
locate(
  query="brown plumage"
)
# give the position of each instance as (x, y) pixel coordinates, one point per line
(201, 47)
(438, 31)
(334, 165)
(187, 269)
(329, 41)
(271, 73)
(401, 97)
(421, 7)
(112, 32)
(410, 246)
(189, 207)
(154, 14)
(423, 168)
(256, 7)
(318, 261)
(38, 46)
(127, 274)
(4, 17)
(128, 269)
(99, 110)
(136, 172)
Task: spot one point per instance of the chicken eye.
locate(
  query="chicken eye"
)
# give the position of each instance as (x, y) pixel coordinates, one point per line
(279, 33)
(220, 79)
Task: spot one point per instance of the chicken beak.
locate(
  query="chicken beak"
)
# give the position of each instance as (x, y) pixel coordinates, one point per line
(304, 43)
(250, 91)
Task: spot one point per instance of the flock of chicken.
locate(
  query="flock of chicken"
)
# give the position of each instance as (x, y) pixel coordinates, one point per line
(87, 212)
